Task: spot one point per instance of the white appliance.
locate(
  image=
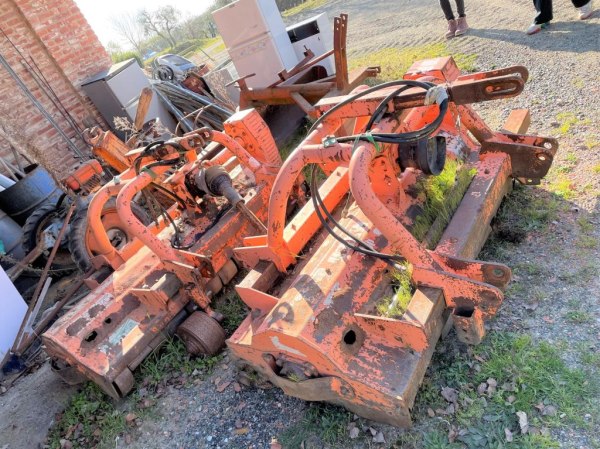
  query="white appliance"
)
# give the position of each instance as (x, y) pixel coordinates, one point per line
(315, 34)
(13, 311)
(256, 39)
(116, 92)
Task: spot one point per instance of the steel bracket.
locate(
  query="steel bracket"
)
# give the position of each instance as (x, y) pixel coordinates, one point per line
(531, 156)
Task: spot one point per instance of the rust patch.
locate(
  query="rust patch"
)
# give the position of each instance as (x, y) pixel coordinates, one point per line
(128, 304)
(342, 300)
(325, 323)
(74, 328)
(95, 310)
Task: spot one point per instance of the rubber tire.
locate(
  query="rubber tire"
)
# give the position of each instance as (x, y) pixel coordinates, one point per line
(30, 236)
(81, 254)
(201, 334)
(163, 73)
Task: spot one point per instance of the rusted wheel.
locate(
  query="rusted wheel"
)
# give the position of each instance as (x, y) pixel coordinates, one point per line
(47, 216)
(83, 245)
(122, 384)
(201, 334)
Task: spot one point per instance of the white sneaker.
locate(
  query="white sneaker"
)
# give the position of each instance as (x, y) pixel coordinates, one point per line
(586, 11)
(535, 28)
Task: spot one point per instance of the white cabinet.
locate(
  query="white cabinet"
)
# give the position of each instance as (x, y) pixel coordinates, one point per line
(256, 39)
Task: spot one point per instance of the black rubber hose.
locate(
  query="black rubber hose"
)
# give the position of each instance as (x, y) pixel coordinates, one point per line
(394, 138)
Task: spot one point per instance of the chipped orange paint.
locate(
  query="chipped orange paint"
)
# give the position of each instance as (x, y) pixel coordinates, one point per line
(113, 328)
(314, 301)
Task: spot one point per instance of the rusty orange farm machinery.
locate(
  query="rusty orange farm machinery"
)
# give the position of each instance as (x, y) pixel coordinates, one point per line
(326, 320)
(316, 327)
(165, 276)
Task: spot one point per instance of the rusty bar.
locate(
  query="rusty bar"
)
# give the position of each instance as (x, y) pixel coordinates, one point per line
(36, 294)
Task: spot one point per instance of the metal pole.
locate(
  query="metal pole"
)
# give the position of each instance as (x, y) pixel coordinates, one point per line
(199, 98)
(18, 346)
(185, 123)
(55, 100)
(40, 108)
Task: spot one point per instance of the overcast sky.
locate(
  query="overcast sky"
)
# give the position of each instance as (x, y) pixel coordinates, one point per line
(99, 13)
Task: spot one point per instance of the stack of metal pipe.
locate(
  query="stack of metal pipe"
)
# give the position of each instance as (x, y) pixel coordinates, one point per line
(191, 109)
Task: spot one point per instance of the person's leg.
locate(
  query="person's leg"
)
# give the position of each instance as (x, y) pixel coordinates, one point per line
(460, 8)
(579, 3)
(445, 4)
(461, 22)
(585, 7)
(544, 11)
(543, 16)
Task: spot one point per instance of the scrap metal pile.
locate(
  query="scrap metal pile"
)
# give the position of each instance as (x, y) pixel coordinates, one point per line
(192, 110)
(320, 270)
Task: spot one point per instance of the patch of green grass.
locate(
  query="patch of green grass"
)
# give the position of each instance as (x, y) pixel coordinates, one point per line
(403, 290)
(172, 358)
(394, 62)
(294, 140)
(302, 7)
(583, 274)
(585, 225)
(529, 377)
(218, 48)
(517, 359)
(592, 142)
(93, 419)
(324, 422)
(571, 157)
(233, 309)
(578, 317)
(188, 48)
(90, 419)
(292, 143)
(563, 187)
(213, 46)
(567, 120)
(591, 357)
(587, 242)
(440, 202)
(529, 268)
(523, 211)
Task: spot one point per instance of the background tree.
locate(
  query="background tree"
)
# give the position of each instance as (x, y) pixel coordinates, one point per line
(168, 17)
(113, 47)
(161, 22)
(128, 28)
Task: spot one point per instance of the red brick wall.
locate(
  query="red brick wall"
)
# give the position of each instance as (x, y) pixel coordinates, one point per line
(56, 35)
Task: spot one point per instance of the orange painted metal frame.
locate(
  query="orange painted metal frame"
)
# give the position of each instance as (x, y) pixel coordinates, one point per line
(109, 332)
(314, 300)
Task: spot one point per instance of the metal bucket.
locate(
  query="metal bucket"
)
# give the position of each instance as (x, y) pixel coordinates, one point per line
(11, 235)
(36, 188)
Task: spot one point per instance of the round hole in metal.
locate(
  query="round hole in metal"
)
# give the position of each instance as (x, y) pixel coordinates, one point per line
(350, 337)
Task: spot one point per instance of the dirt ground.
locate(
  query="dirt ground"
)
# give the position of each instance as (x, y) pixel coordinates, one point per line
(555, 295)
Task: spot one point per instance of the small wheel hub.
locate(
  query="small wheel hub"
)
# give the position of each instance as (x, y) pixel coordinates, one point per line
(118, 237)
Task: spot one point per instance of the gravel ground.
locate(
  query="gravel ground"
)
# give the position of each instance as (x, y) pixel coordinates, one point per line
(555, 273)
